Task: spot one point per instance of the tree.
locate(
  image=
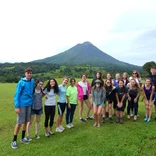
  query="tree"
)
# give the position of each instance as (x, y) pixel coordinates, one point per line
(147, 66)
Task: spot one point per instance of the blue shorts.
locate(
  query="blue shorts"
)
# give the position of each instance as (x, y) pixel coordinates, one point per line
(37, 112)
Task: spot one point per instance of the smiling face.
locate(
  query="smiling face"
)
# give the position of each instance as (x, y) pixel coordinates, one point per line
(124, 76)
(98, 75)
(153, 71)
(65, 81)
(117, 76)
(108, 76)
(84, 78)
(52, 83)
(108, 83)
(28, 75)
(72, 82)
(133, 83)
(148, 82)
(121, 84)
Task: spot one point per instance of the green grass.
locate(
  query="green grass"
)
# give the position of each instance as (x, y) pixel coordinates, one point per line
(129, 139)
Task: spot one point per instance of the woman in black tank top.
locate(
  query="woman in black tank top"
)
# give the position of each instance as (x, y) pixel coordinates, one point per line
(133, 97)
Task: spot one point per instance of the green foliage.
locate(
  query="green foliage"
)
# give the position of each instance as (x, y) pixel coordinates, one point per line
(147, 66)
(130, 139)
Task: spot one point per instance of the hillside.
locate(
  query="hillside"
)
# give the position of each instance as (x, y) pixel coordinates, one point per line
(87, 53)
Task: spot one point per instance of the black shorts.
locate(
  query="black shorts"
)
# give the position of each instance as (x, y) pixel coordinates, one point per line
(121, 109)
(61, 108)
(85, 97)
(109, 99)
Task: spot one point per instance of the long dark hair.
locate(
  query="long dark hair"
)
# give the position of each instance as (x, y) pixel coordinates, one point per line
(36, 83)
(101, 76)
(48, 87)
(111, 85)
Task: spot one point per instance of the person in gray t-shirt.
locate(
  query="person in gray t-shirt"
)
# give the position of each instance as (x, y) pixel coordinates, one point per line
(50, 91)
(36, 108)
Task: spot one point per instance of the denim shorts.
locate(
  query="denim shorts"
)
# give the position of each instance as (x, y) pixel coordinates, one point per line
(37, 112)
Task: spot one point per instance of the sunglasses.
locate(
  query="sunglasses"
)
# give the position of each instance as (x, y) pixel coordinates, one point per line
(134, 73)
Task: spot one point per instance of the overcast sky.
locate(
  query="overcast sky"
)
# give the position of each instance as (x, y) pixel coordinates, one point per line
(35, 29)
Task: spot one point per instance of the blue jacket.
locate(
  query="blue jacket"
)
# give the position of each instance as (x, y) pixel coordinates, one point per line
(24, 93)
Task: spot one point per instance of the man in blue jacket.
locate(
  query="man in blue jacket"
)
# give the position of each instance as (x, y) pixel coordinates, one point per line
(23, 100)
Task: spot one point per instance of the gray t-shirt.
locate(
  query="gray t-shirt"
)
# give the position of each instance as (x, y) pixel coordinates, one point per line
(37, 101)
(50, 97)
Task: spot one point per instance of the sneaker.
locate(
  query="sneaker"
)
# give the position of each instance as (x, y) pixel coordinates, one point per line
(146, 118)
(61, 127)
(14, 145)
(25, 141)
(51, 132)
(47, 134)
(68, 126)
(117, 119)
(110, 120)
(71, 125)
(121, 120)
(82, 120)
(138, 115)
(98, 125)
(92, 117)
(37, 136)
(89, 118)
(95, 124)
(59, 130)
(103, 120)
(29, 138)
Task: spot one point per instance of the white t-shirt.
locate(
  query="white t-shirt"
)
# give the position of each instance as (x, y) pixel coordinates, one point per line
(138, 80)
(84, 87)
(50, 97)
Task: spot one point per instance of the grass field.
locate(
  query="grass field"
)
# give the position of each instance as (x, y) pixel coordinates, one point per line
(129, 139)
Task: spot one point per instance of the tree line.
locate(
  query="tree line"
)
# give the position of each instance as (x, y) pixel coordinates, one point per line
(12, 72)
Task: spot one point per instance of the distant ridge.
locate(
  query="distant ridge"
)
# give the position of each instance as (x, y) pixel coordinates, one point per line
(87, 54)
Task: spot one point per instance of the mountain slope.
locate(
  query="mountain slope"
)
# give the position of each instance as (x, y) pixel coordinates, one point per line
(85, 53)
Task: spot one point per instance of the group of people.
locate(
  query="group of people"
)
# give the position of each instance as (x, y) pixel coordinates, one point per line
(101, 96)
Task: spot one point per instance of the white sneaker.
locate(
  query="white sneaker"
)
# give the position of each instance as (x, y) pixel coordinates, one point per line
(51, 132)
(47, 134)
(132, 114)
(59, 130)
(71, 125)
(68, 126)
(61, 127)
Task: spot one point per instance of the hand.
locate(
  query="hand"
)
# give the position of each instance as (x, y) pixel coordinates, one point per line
(135, 100)
(129, 98)
(119, 104)
(17, 110)
(69, 106)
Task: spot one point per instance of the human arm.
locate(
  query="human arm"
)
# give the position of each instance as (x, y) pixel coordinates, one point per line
(152, 93)
(68, 101)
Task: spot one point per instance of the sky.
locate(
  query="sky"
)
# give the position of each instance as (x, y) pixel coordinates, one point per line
(35, 29)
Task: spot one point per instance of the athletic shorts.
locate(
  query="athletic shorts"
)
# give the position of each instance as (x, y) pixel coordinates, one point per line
(61, 108)
(109, 100)
(121, 109)
(24, 115)
(85, 97)
(37, 112)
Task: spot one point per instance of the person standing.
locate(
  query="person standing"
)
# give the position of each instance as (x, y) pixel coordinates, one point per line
(98, 95)
(120, 92)
(23, 101)
(61, 105)
(50, 91)
(133, 95)
(83, 87)
(72, 101)
(36, 109)
(153, 79)
(148, 91)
